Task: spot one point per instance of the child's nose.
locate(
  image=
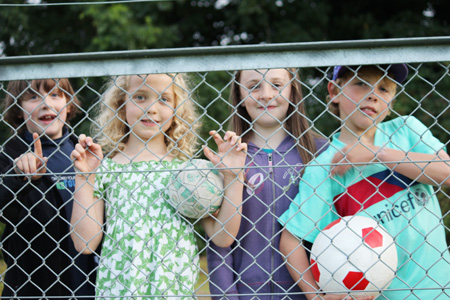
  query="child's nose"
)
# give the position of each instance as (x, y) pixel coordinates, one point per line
(373, 96)
(48, 102)
(266, 93)
(151, 109)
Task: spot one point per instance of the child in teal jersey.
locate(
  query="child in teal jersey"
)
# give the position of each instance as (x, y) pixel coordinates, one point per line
(147, 248)
(381, 170)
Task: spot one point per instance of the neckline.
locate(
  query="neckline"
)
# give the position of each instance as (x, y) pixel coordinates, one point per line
(280, 148)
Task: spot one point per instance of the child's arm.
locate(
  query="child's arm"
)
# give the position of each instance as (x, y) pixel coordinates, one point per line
(426, 168)
(231, 159)
(87, 213)
(299, 268)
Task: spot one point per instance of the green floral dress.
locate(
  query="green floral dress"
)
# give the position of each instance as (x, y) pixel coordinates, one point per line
(148, 249)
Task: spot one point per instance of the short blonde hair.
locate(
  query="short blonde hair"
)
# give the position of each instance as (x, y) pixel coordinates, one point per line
(111, 130)
(350, 74)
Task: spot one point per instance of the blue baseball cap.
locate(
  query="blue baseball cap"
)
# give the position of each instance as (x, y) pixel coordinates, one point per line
(400, 71)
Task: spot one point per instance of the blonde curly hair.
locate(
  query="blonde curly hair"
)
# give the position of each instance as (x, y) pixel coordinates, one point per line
(112, 131)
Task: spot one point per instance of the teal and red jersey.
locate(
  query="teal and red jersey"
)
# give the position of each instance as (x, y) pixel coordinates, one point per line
(407, 209)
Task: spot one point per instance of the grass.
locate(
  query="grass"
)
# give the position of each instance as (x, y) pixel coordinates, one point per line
(202, 284)
(2, 274)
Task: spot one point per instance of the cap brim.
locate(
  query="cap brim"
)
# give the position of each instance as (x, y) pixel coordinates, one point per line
(399, 71)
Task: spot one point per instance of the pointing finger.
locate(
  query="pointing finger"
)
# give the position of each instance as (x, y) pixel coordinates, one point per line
(37, 146)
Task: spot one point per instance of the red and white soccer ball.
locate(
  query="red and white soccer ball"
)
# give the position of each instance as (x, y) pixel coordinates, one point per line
(354, 255)
(196, 191)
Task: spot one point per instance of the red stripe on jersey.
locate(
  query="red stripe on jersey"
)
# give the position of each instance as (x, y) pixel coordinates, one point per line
(364, 194)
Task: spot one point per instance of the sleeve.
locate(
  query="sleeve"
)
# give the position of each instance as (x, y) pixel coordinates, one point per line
(421, 138)
(312, 208)
(221, 273)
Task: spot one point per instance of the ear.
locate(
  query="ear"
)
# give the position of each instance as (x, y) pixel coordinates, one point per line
(333, 91)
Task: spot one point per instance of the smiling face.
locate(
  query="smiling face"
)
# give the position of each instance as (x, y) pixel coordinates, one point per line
(266, 95)
(150, 108)
(45, 112)
(365, 100)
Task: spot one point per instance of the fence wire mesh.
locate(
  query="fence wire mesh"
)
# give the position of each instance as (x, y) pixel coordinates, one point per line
(142, 205)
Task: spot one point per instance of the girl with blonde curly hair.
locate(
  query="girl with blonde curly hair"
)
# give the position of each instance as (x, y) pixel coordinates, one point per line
(147, 127)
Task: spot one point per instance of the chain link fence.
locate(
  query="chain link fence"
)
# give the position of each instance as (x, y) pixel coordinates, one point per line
(141, 246)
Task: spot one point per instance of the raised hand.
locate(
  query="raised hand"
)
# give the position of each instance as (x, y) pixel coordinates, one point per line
(353, 154)
(87, 155)
(32, 164)
(230, 155)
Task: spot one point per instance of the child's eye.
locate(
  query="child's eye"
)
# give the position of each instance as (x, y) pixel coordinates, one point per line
(33, 97)
(384, 89)
(165, 99)
(54, 95)
(277, 85)
(138, 97)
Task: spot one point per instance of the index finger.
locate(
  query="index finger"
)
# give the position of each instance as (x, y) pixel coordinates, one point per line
(37, 145)
(217, 138)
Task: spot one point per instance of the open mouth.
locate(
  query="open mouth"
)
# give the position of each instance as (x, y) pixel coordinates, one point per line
(368, 111)
(47, 118)
(149, 122)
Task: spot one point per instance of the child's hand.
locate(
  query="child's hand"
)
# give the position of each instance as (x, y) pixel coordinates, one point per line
(32, 162)
(354, 154)
(87, 155)
(231, 153)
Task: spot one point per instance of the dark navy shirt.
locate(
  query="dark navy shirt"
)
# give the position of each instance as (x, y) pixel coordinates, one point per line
(60, 168)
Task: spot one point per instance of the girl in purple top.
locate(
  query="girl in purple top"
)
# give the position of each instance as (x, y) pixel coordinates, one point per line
(270, 117)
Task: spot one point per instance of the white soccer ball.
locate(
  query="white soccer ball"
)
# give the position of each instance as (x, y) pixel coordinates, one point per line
(197, 190)
(354, 255)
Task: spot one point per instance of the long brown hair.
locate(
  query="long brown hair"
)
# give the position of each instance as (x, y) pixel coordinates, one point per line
(296, 122)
